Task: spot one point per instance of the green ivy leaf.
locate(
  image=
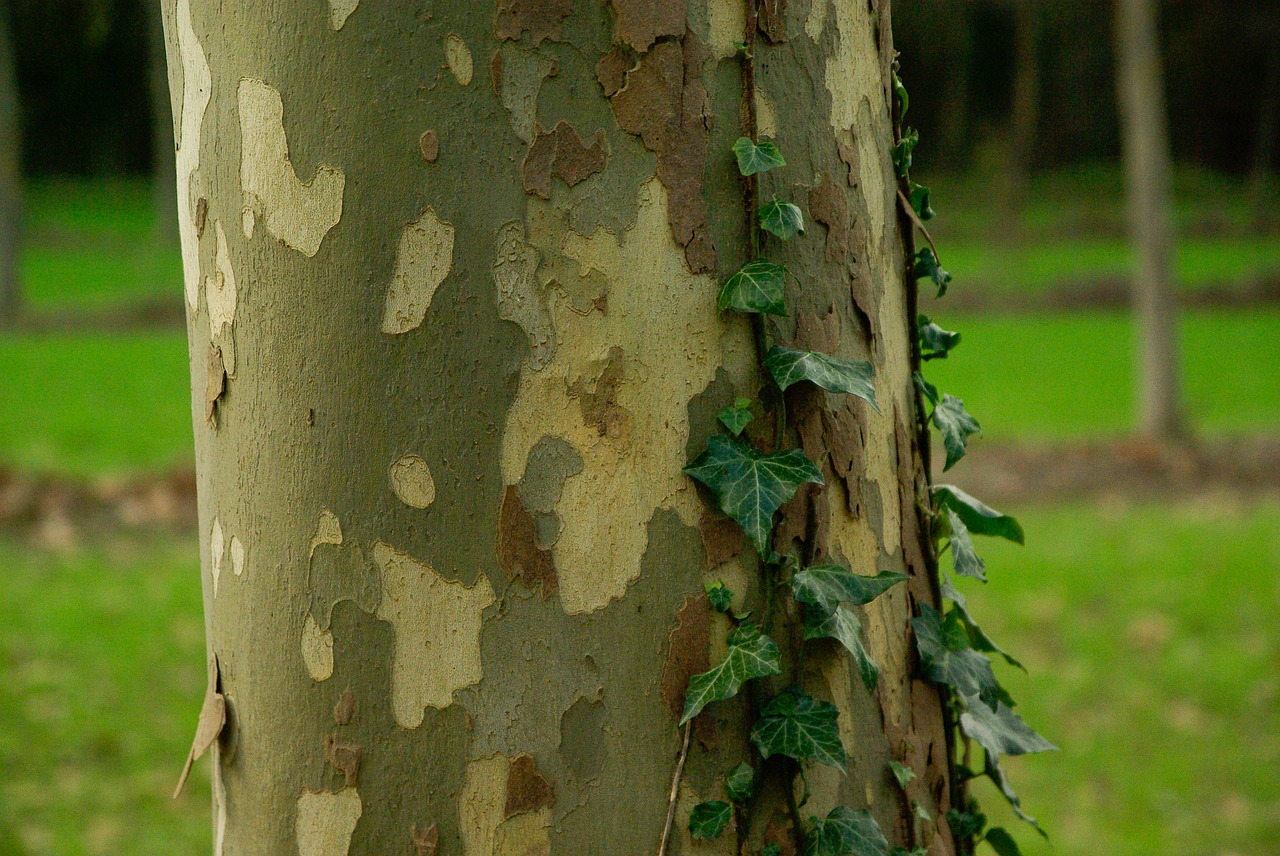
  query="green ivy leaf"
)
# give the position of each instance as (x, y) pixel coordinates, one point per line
(979, 639)
(740, 784)
(1001, 731)
(757, 157)
(948, 659)
(842, 625)
(956, 426)
(902, 773)
(996, 773)
(801, 727)
(751, 655)
(719, 595)
(925, 264)
(749, 485)
(826, 586)
(708, 819)
(902, 152)
(833, 374)
(846, 832)
(966, 824)
(903, 100)
(781, 219)
(1002, 842)
(757, 286)
(736, 416)
(935, 343)
(979, 518)
(967, 561)
(770, 850)
(920, 201)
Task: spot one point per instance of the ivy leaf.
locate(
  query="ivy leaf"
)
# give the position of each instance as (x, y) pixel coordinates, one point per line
(708, 819)
(903, 100)
(751, 655)
(770, 850)
(920, 201)
(948, 659)
(980, 519)
(826, 586)
(935, 343)
(736, 416)
(902, 152)
(833, 374)
(1002, 842)
(757, 157)
(719, 595)
(782, 219)
(1001, 731)
(757, 286)
(967, 562)
(846, 832)
(842, 625)
(925, 264)
(801, 727)
(902, 773)
(956, 425)
(977, 636)
(996, 773)
(749, 485)
(740, 784)
(966, 824)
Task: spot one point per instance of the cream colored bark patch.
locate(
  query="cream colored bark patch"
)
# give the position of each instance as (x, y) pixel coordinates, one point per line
(220, 299)
(766, 118)
(458, 55)
(816, 21)
(325, 822)
(423, 260)
(237, 555)
(481, 810)
(216, 553)
(317, 650)
(298, 214)
(437, 628)
(412, 483)
(339, 11)
(617, 390)
(197, 86)
(727, 22)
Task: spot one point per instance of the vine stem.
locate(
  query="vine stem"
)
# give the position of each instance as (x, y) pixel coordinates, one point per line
(675, 789)
(919, 224)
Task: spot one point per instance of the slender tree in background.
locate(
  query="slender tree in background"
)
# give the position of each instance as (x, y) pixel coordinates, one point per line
(10, 176)
(451, 274)
(1262, 189)
(165, 203)
(1145, 133)
(1024, 117)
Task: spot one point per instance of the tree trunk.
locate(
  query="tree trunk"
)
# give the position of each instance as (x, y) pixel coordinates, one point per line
(163, 166)
(452, 283)
(1261, 172)
(1146, 155)
(10, 176)
(1024, 117)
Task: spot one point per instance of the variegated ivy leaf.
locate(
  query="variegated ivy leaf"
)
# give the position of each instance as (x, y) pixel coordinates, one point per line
(979, 639)
(925, 264)
(956, 426)
(834, 374)
(920, 201)
(977, 517)
(757, 286)
(1001, 731)
(782, 219)
(967, 562)
(751, 655)
(720, 596)
(740, 784)
(902, 151)
(757, 157)
(751, 486)
(842, 625)
(800, 727)
(846, 832)
(935, 343)
(708, 819)
(736, 416)
(948, 659)
(901, 772)
(826, 586)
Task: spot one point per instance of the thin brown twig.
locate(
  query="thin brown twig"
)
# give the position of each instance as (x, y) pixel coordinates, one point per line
(675, 789)
(919, 224)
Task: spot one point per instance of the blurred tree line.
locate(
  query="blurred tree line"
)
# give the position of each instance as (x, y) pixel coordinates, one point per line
(990, 80)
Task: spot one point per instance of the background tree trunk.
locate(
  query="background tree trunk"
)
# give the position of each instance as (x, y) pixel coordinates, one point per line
(164, 167)
(1146, 155)
(10, 176)
(451, 282)
(1024, 117)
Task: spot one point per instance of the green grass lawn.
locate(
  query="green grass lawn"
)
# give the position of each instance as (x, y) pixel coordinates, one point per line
(1149, 633)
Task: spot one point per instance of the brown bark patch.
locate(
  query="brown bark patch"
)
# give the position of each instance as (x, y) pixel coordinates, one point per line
(215, 385)
(429, 145)
(687, 654)
(345, 708)
(640, 23)
(664, 102)
(830, 207)
(600, 407)
(201, 216)
(495, 73)
(772, 20)
(722, 538)
(541, 19)
(518, 552)
(213, 718)
(343, 757)
(560, 153)
(612, 69)
(780, 832)
(527, 789)
(426, 841)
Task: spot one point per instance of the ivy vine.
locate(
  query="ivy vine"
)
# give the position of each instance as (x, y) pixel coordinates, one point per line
(750, 485)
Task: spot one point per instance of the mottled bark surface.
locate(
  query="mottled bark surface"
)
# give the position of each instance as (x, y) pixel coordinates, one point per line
(451, 274)
(10, 176)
